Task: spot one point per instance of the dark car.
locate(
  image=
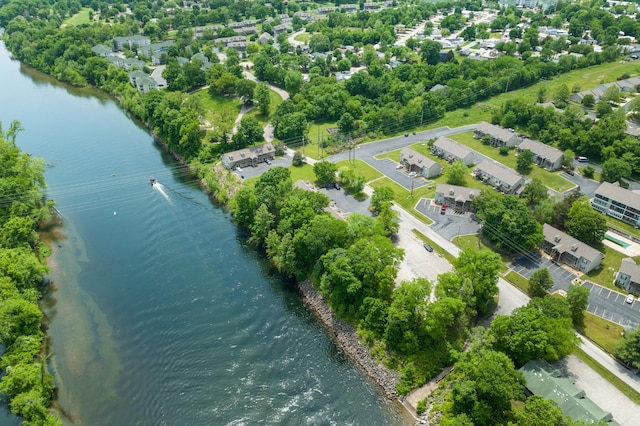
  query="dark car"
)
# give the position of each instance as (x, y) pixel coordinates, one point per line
(427, 247)
(406, 135)
(336, 185)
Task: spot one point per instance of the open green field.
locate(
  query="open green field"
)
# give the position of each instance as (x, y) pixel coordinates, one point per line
(79, 18)
(303, 38)
(304, 172)
(549, 179)
(610, 264)
(219, 111)
(317, 131)
(404, 198)
(360, 168)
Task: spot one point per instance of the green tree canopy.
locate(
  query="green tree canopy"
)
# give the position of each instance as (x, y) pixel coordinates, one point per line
(540, 283)
(586, 224)
(456, 173)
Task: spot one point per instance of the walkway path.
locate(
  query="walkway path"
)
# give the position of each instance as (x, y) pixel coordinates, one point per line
(268, 130)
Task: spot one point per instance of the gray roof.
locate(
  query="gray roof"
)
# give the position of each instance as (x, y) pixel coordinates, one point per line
(628, 267)
(461, 193)
(543, 150)
(452, 147)
(101, 49)
(495, 131)
(498, 171)
(621, 195)
(414, 157)
(565, 243)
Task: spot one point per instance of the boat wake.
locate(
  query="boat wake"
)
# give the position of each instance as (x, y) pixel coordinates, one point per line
(161, 189)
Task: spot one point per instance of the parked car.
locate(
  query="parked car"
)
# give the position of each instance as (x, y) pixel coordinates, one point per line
(427, 247)
(336, 185)
(406, 135)
(399, 166)
(443, 209)
(238, 169)
(570, 172)
(630, 299)
(266, 160)
(412, 174)
(582, 159)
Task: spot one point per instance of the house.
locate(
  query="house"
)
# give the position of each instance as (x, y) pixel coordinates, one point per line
(199, 31)
(264, 38)
(543, 155)
(240, 46)
(142, 81)
(232, 39)
(130, 41)
(282, 28)
(457, 197)
(248, 156)
(416, 162)
(451, 151)
(563, 248)
(628, 276)
(551, 384)
(618, 202)
(498, 136)
(102, 50)
(349, 8)
(325, 10)
(445, 55)
(500, 177)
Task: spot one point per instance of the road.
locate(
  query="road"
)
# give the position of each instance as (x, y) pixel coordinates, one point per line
(268, 130)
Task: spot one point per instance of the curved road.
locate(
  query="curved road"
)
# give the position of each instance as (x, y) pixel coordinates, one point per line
(268, 130)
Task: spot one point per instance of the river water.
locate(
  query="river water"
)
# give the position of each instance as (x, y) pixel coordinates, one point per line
(161, 314)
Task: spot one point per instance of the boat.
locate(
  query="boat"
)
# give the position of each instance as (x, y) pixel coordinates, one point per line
(152, 180)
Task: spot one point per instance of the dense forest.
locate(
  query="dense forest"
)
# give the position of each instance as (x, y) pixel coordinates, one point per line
(27, 384)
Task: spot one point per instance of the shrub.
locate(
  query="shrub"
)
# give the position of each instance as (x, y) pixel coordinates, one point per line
(588, 172)
(298, 159)
(504, 150)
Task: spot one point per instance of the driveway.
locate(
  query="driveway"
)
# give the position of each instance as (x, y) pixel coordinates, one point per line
(450, 224)
(612, 305)
(390, 169)
(250, 172)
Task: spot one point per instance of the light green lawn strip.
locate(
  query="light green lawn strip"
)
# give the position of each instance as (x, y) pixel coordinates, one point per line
(450, 258)
(610, 264)
(304, 172)
(550, 179)
(360, 168)
(403, 197)
(518, 280)
(82, 17)
(627, 390)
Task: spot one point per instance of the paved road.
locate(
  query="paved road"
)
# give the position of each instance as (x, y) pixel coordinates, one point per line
(612, 305)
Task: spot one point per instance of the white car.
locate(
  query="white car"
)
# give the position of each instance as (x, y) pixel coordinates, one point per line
(399, 166)
(412, 174)
(630, 299)
(238, 169)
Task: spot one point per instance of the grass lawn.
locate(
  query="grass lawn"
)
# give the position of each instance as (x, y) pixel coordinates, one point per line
(304, 37)
(403, 197)
(605, 333)
(435, 246)
(610, 264)
(550, 179)
(79, 18)
(360, 168)
(317, 131)
(304, 172)
(276, 100)
(631, 393)
(220, 111)
(474, 242)
(518, 280)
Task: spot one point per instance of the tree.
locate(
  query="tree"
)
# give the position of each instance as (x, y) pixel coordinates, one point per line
(249, 132)
(479, 269)
(290, 127)
(562, 94)
(325, 172)
(262, 95)
(586, 224)
(293, 82)
(525, 162)
(388, 220)
(615, 169)
(578, 298)
(538, 411)
(245, 89)
(430, 51)
(319, 43)
(588, 100)
(603, 109)
(244, 206)
(534, 193)
(628, 349)
(380, 195)
(456, 173)
(568, 158)
(346, 123)
(540, 283)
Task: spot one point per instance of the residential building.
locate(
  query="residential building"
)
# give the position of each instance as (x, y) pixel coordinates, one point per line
(248, 156)
(277, 29)
(543, 155)
(264, 38)
(500, 177)
(349, 8)
(142, 81)
(416, 162)
(199, 31)
(498, 136)
(240, 46)
(325, 10)
(543, 380)
(563, 248)
(628, 276)
(232, 39)
(130, 41)
(451, 151)
(618, 202)
(102, 50)
(457, 197)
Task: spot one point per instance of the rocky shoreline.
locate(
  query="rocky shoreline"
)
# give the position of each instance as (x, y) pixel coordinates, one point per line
(347, 338)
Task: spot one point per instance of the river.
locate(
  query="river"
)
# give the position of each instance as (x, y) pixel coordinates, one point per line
(160, 313)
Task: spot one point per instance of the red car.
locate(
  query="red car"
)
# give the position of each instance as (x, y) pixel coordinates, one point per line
(443, 209)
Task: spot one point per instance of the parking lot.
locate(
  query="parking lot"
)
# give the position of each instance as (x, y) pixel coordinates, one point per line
(527, 264)
(389, 168)
(612, 305)
(250, 172)
(450, 224)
